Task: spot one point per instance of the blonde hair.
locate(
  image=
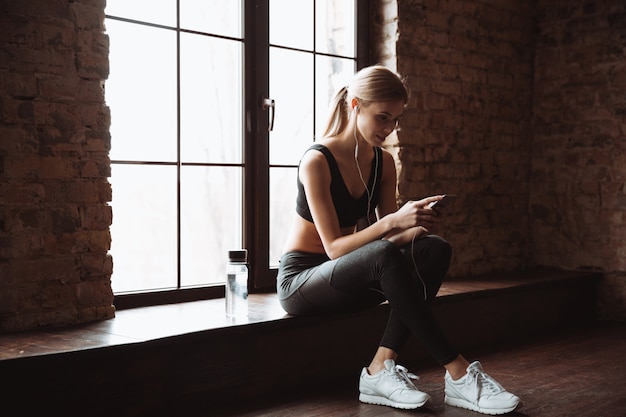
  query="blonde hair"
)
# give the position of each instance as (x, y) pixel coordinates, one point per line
(371, 84)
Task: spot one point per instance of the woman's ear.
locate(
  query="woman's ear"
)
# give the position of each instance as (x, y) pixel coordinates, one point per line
(355, 104)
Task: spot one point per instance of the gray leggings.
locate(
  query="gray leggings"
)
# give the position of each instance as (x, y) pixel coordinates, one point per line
(311, 284)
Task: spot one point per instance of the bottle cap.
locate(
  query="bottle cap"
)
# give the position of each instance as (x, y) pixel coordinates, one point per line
(238, 255)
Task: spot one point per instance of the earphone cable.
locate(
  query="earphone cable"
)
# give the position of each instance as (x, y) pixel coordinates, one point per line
(415, 265)
(370, 194)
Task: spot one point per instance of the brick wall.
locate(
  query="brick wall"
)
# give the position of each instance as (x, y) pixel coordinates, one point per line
(54, 166)
(578, 193)
(467, 129)
(384, 30)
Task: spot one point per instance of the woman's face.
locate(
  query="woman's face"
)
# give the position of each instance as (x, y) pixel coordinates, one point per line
(377, 120)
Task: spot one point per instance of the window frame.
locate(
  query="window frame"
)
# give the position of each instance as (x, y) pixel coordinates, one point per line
(255, 204)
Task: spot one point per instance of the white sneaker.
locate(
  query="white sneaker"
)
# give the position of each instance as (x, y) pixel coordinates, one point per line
(478, 391)
(393, 386)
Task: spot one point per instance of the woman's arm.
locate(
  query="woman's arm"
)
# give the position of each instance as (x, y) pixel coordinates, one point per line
(426, 218)
(315, 177)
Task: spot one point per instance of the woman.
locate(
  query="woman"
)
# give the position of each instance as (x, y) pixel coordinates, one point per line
(329, 265)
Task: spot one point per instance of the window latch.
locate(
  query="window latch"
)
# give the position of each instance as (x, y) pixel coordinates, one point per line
(269, 103)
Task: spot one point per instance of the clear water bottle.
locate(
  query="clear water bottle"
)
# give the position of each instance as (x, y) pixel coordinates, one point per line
(237, 284)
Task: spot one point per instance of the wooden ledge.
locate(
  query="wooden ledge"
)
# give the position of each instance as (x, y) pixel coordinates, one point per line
(158, 322)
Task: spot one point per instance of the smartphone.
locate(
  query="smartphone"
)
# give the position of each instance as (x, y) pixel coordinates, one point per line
(444, 202)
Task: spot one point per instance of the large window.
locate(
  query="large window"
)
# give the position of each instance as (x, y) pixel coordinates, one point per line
(196, 169)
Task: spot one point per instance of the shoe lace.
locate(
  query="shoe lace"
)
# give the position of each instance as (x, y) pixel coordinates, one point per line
(483, 383)
(406, 378)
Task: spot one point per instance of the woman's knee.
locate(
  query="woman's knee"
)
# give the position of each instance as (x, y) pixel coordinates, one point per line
(439, 247)
(433, 254)
(386, 251)
(388, 260)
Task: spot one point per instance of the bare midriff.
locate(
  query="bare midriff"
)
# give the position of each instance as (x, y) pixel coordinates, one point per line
(303, 237)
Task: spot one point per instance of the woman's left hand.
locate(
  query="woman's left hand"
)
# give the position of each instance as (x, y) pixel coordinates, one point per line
(429, 219)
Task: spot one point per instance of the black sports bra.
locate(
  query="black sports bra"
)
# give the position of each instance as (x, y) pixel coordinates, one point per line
(349, 210)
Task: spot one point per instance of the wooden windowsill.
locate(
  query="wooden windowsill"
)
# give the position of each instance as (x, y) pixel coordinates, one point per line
(156, 322)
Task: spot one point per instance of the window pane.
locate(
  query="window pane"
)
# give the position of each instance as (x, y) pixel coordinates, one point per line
(330, 75)
(220, 17)
(291, 23)
(211, 106)
(334, 31)
(141, 92)
(144, 227)
(211, 222)
(293, 125)
(162, 12)
(282, 204)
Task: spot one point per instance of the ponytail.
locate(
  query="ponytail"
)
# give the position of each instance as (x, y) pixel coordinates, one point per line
(338, 117)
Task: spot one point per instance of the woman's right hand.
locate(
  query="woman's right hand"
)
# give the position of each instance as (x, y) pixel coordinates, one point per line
(417, 213)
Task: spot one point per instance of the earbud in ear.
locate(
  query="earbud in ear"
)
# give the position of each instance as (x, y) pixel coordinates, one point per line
(356, 109)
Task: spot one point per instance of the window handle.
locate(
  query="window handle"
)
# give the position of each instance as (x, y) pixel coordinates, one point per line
(269, 103)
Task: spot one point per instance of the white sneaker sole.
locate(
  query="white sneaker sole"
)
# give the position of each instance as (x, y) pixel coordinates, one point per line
(377, 400)
(457, 402)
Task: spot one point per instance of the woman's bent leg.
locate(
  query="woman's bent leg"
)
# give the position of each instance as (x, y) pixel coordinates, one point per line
(354, 281)
(385, 263)
(430, 258)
